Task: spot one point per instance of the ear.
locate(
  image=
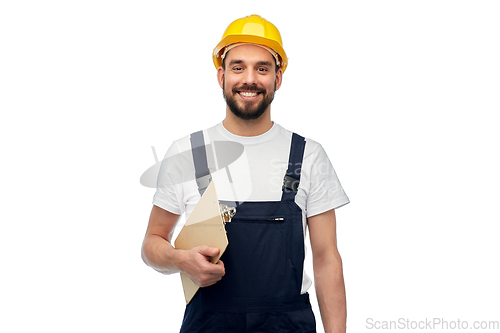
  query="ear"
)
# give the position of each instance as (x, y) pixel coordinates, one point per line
(220, 76)
(279, 78)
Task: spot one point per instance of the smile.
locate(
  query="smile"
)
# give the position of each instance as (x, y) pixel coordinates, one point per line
(249, 95)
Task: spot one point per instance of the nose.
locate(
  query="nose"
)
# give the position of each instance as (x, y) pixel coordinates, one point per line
(250, 77)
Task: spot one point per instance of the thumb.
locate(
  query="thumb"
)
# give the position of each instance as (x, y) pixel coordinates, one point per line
(208, 251)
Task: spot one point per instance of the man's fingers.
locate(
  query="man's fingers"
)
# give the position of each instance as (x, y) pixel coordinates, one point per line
(220, 266)
(212, 273)
(208, 251)
(214, 269)
(203, 272)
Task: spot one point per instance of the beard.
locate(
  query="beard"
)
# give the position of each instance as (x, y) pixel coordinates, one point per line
(250, 109)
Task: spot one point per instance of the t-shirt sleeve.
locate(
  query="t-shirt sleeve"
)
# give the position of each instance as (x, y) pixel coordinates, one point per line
(168, 187)
(324, 191)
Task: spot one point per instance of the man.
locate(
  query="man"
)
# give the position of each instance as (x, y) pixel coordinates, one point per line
(282, 185)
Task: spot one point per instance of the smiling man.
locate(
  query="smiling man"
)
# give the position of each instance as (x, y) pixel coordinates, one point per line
(246, 85)
(283, 185)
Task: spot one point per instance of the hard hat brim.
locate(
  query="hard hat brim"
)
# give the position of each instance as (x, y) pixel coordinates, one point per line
(231, 39)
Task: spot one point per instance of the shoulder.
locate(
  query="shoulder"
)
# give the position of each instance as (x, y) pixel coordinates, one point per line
(312, 147)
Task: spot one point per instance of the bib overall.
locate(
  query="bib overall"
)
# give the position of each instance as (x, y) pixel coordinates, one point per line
(260, 291)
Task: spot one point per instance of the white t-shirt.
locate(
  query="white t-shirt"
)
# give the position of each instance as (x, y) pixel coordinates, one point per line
(249, 169)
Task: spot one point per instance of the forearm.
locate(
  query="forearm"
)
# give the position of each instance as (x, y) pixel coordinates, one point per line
(330, 290)
(160, 255)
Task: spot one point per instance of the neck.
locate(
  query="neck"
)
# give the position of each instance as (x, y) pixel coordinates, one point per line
(251, 127)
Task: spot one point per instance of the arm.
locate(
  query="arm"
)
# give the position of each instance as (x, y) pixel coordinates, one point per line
(158, 252)
(328, 276)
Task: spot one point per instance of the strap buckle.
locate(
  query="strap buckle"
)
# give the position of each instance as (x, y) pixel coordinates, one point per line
(290, 183)
(203, 182)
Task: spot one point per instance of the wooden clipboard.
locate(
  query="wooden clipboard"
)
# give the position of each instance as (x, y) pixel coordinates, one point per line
(205, 226)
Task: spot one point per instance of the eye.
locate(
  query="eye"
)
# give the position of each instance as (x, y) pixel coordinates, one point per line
(262, 69)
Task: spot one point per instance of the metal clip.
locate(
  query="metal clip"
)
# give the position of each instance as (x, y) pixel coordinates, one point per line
(227, 213)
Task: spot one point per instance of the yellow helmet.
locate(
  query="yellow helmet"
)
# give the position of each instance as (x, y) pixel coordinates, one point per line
(255, 30)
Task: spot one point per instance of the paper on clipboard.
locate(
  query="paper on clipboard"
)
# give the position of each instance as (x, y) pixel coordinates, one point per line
(205, 226)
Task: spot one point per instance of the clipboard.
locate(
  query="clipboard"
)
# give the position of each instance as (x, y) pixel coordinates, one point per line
(205, 226)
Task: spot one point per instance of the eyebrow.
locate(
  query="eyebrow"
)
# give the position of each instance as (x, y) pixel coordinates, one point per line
(235, 61)
(264, 63)
(259, 63)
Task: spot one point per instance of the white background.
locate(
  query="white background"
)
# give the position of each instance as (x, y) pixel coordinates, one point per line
(403, 96)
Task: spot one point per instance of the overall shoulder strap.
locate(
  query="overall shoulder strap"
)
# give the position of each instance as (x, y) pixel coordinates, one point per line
(202, 173)
(292, 178)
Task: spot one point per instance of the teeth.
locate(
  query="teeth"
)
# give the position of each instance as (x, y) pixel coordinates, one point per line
(248, 94)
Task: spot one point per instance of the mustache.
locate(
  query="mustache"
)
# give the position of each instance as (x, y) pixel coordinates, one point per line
(246, 87)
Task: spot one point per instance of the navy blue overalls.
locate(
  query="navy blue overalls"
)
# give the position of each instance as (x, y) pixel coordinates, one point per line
(260, 291)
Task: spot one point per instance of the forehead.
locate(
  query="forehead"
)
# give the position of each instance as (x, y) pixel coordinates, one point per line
(249, 53)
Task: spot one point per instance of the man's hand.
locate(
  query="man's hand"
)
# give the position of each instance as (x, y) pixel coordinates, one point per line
(196, 263)
(158, 252)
